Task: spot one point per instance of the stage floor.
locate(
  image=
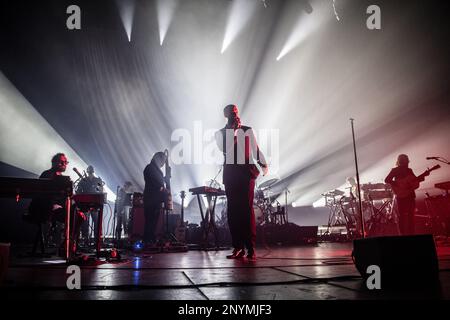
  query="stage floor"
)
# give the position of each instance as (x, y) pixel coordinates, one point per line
(314, 272)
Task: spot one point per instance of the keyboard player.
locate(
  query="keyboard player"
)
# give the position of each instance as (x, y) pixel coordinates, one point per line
(52, 208)
(90, 184)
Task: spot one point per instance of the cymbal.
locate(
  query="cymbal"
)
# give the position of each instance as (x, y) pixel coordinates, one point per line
(267, 183)
(373, 186)
(333, 193)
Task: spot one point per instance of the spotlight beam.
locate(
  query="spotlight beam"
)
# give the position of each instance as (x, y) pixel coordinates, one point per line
(165, 10)
(126, 10)
(28, 141)
(306, 25)
(240, 14)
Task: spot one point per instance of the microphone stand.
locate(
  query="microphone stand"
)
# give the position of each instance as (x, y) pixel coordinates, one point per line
(443, 160)
(357, 180)
(286, 191)
(214, 179)
(115, 240)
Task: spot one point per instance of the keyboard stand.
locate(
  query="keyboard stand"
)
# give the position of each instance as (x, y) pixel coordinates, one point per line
(208, 223)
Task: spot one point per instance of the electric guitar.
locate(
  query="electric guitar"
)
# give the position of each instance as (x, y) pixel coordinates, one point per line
(405, 186)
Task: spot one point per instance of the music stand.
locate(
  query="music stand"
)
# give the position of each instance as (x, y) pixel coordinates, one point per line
(168, 236)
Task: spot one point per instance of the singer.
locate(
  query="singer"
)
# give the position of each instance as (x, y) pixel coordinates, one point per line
(239, 146)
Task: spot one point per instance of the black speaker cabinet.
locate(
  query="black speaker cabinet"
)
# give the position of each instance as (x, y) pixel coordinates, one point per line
(286, 234)
(405, 262)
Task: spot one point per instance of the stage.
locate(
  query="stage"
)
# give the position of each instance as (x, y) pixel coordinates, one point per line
(314, 272)
(296, 126)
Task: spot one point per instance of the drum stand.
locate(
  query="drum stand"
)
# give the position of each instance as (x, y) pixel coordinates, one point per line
(351, 220)
(208, 222)
(337, 216)
(380, 216)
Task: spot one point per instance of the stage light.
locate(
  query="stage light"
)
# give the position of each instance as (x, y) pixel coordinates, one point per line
(126, 10)
(138, 246)
(28, 141)
(241, 12)
(165, 10)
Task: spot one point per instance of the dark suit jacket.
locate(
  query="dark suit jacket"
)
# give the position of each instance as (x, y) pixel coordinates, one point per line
(154, 182)
(244, 144)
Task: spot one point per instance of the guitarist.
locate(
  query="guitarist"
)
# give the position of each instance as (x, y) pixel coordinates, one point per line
(406, 199)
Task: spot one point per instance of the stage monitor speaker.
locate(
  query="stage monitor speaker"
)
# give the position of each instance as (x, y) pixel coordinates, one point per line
(405, 262)
(194, 236)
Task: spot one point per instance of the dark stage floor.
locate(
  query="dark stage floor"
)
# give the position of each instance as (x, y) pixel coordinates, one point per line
(318, 272)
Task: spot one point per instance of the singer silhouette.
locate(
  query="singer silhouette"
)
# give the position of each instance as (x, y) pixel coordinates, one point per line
(406, 204)
(154, 196)
(238, 144)
(89, 184)
(43, 209)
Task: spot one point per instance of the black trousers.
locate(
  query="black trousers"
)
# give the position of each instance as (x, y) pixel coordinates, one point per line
(152, 212)
(406, 208)
(241, 217)
(122, 221)
(85, 224)
(76, 219)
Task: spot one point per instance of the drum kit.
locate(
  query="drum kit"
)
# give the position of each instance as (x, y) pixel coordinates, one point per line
(266, 208)
(377, 206)
(263, 205)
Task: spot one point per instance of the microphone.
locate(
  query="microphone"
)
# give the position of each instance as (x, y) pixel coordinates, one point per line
(432, 158)
(78, 173)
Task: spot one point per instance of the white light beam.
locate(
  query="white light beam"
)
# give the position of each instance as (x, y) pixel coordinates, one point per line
(165, 10)
(28, 141)
(126, 10)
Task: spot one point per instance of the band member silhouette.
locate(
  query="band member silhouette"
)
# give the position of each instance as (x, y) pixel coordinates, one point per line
(90, 183)
(123, 208)
(154, 196)
(240, 149)
(44, 209)
(406, 201)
